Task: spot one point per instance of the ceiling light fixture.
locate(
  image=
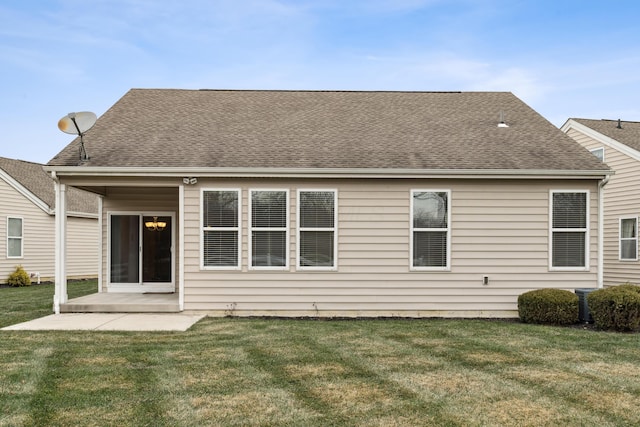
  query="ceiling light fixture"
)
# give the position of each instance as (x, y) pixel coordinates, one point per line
(155, 225)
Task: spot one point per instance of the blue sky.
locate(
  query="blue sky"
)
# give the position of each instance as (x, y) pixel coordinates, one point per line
(563, 58)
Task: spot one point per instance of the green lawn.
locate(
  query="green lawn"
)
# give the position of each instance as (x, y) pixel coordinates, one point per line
(275, 372)
(30, 302)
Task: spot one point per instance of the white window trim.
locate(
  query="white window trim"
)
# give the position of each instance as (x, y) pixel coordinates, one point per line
(21, 237)
(620, 238)
(285, 229)
(238, 229)
(593, 151)
(447, 230)
(586, 230)
(334, 229)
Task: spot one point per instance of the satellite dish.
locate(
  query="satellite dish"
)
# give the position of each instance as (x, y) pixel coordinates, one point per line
(78, 124)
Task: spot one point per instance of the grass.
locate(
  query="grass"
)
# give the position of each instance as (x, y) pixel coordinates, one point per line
(30, 302)
(277, 372)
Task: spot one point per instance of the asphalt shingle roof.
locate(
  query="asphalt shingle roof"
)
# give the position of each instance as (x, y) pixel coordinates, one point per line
(628, 133)
(34, 178)
(325, 129)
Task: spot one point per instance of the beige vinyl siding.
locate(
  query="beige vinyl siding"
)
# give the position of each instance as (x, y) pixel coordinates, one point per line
(82, 247)
(39, 239)
(499, 229)
(621, 199)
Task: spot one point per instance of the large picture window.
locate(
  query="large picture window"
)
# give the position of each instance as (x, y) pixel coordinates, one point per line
(221, 229)
(268, 232)
(14, 237)
(317, 218)
(430, 229)
(569, 229)
(629, 239)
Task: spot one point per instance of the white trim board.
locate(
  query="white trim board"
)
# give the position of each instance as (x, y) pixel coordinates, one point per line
(593, 134)
(25, 192)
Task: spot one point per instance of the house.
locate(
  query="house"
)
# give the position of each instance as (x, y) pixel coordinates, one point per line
(27, 224)
(617, 143)
(329, 203)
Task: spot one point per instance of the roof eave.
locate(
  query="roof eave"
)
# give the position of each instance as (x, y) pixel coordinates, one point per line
(28, 194)
(601, 138)
(245, 172)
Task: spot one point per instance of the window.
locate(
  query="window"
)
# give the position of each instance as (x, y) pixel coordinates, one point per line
(221, 229)
(599, 153)
(629, 239)
(268, 232)
(569, 229)
(14, 237)
(430, 237)
(317, 243)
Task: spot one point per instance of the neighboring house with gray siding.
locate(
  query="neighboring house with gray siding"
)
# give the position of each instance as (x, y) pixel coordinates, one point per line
(27, 224)
(616, 143)
(306, 203)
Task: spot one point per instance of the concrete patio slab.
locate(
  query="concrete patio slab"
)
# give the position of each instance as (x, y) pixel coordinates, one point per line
(110, 322)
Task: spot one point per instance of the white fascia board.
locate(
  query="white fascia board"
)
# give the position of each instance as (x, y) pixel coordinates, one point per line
(25, 192)
(82, 215)
(324, 173)
(603, 139)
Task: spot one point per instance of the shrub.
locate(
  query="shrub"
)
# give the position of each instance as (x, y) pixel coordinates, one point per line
(548, 306)
(19, 277)
(616, 308)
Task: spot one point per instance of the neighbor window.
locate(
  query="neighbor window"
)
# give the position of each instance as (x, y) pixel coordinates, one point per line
(268, 228)
(599, 153)
(629, 239)
(221, 228)
(430, 229)
(14, 237)
(317, 218)
(569, 229)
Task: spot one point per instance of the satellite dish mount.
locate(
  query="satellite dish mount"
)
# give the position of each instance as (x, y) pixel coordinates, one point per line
(78, 124)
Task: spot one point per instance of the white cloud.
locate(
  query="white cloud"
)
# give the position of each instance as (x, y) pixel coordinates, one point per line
(522, 82)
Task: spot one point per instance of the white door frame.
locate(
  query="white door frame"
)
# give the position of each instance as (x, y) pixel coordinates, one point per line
(142, 287)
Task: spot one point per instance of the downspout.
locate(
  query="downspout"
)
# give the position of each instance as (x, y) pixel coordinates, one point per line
(600, 276)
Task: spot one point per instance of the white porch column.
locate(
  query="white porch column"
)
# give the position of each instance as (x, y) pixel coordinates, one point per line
(60, 296)
(100, 253)
(181, 247)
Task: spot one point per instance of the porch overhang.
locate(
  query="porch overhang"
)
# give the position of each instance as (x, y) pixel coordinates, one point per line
(108, 299)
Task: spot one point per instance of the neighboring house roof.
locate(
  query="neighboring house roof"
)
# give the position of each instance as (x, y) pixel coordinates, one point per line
(36, 184)
(305, 130)
(625, 132)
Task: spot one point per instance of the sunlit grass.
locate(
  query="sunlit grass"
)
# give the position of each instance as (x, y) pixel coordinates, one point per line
(30, 302)
(275, 372)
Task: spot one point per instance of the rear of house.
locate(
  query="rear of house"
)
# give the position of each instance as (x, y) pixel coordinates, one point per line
(303, 203)
(27, 226)
(616, 143)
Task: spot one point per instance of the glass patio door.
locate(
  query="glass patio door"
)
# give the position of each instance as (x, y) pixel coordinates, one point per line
(140, 251)
(156, 249)
(125, 249)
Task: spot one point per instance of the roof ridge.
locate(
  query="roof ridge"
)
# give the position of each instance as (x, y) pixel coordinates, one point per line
(328, 90)
(20, 160)
(323, 91)
(607, 120)
(621, 120)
